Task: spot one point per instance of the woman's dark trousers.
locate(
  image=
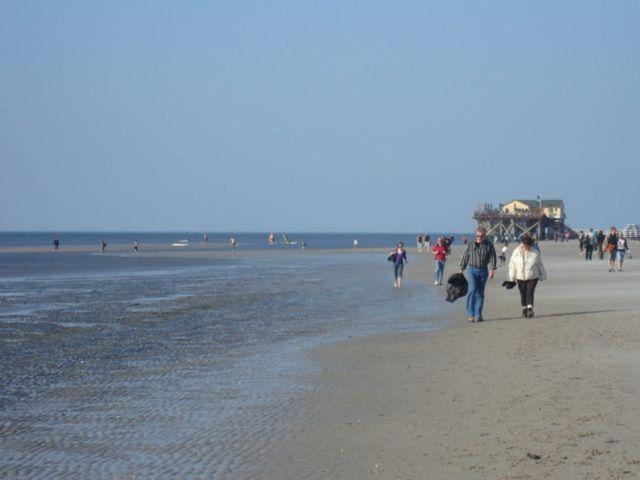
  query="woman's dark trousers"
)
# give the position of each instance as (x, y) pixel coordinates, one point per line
(527, 287)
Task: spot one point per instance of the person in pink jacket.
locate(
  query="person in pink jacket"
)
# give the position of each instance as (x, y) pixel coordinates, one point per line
(526, 268)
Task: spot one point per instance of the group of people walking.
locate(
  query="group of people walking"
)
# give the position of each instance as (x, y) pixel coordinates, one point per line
(613, 244)
(590, 241)
(441, 250)
(525, 270)
(479, 259)
(617, 247)
(423, 242)
(525, 267)
(103, 245)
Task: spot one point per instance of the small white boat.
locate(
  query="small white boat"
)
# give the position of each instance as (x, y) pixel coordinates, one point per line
(287, 241)
(180, 243)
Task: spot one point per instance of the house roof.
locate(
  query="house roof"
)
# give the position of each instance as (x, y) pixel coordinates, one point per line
(534, 203)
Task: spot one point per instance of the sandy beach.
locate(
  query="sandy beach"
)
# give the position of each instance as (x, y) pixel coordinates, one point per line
(554, 396)
(171, 366)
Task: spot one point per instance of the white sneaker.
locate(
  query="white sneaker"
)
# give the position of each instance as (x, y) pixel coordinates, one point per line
(435, 282)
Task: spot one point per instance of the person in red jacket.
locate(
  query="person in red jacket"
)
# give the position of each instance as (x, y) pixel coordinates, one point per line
(440, 252)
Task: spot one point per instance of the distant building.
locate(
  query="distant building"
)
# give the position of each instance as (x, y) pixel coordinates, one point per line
(543, 218)
(631, 231)
(549, 208)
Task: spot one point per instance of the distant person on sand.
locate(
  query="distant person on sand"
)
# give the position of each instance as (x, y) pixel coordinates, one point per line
(611, 247)
(448, 242)
(599, 244)
(136, 244)
(103, 246)
(536, 245)
(355, 243)
(419, 241)
(480, 257)
(440, 252)
(206, 237)
(623, 248)
(399, 258)
(302, 245)
(427, 240)
(525, 268)
(503, 253)
(587, 245)
(56, 244)
(233, 244)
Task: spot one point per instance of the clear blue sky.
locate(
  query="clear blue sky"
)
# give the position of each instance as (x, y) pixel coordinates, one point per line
(315, 116)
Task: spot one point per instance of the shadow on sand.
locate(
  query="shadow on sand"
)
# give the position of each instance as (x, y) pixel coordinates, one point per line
(563, 314)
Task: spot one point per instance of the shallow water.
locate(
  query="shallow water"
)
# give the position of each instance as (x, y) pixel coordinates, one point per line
(175, 368)
(249, 241)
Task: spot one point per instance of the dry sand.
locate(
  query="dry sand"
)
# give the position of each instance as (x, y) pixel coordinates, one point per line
(555, 396)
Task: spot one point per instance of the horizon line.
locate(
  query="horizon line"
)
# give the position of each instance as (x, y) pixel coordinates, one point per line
(236, 232)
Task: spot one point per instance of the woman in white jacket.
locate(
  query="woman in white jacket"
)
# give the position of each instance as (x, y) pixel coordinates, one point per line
(525, 268)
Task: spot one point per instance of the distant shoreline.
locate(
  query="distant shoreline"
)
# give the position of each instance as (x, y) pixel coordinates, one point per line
(42, 241)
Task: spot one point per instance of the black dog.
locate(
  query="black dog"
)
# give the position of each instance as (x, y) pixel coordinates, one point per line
(458, 287)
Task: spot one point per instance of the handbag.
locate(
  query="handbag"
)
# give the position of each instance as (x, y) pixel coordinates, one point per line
(609, 248)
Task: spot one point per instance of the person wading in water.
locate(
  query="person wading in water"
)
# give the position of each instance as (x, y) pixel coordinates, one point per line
(399, 258)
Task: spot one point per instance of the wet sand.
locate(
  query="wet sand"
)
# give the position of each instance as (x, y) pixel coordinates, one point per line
(555, 396)
(171, 363)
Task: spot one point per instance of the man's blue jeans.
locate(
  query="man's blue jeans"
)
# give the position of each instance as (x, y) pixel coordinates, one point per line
(477, 278)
